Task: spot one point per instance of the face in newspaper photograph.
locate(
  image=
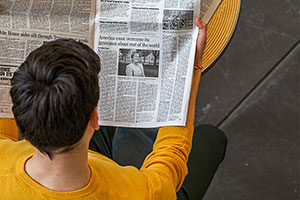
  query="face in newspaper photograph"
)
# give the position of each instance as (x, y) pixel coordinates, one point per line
(138, 63)
(178, 19)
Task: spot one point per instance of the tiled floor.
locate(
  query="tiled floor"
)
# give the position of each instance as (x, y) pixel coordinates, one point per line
(252, 93)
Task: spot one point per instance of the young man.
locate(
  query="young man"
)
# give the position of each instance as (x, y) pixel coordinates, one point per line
(55, 94)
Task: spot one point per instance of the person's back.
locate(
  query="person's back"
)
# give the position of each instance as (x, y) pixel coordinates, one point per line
(55, 93)
(108, 180)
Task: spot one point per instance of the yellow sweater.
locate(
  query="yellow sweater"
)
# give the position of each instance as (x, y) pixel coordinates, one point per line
(160, 177)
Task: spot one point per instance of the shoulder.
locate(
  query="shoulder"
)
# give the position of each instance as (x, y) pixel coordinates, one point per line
(128, 181)
(11, 153)
(130, 65)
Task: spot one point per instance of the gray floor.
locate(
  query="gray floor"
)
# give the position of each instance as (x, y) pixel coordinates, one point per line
(252, 93)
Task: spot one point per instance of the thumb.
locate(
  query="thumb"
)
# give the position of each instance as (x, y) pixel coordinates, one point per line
(202, 32)
(201, 41)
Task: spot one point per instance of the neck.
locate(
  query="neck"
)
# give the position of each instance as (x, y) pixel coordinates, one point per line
(65, 172)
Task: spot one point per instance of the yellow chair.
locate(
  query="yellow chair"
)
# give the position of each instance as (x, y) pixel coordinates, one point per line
(220, 29)
(9, 127)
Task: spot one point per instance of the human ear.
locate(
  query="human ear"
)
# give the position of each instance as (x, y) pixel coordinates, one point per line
(94, 119)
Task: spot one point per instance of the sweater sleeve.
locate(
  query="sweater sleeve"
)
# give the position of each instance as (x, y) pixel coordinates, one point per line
(170, 154)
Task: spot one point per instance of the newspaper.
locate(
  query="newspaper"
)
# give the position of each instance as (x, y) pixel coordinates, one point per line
(146, 48)
(147, 51)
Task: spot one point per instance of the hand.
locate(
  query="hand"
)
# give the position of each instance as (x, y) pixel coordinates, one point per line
(201, 42)
(200, 46)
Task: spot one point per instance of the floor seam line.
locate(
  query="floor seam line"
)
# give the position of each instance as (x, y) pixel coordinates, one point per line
(259, 83)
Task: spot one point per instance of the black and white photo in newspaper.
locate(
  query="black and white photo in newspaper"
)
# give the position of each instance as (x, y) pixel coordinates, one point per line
(147, 51)
(138, 62)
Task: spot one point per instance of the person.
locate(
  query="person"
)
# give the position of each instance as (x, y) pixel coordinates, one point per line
(55, 94)
(135, 68)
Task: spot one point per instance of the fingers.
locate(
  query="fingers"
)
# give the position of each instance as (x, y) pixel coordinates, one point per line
(202, 30)
(201, 42)
(200, 23)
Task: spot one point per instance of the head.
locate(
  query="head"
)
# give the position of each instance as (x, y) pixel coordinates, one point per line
(54, 93)
(136, 57)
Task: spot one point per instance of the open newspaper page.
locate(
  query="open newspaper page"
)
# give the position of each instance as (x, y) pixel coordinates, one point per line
(208, 8)
(147, 50)
(26, 24)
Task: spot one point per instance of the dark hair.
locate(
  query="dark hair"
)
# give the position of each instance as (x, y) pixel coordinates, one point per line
(54, 93)
(135, 52)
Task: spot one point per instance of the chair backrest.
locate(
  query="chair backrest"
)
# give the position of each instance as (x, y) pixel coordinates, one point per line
(9, 127)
